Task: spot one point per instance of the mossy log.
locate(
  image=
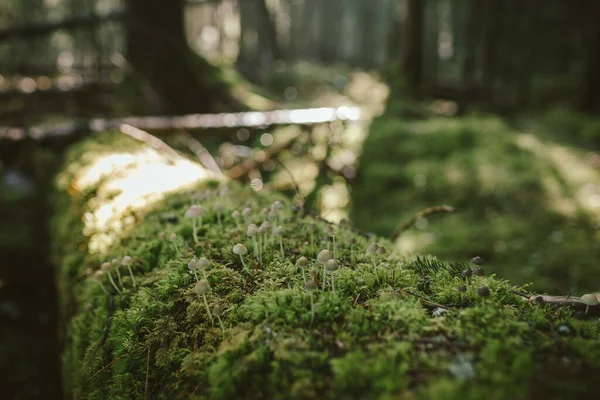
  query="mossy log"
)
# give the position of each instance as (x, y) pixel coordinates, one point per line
(393, 327)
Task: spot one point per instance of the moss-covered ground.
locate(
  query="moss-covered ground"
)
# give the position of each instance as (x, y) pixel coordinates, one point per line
(394, 327)
(526, 200)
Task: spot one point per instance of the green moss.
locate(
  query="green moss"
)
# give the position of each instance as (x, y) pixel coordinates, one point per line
(523, 202)
(380, 335)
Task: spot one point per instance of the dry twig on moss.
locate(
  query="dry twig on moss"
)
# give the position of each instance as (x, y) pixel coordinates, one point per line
(444, 209)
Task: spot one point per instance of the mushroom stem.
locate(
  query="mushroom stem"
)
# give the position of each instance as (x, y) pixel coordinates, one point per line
(324, 276)
(113, 282)
(332, 284)
(196, 275)
(221, 323)
(103, 288)
(219, 219)
(195, 230)
(303, 275)
(244, 264)
(312, 309)
(281, 247)
(207, 309)
(255, 246)
(119, 277)
(312, 242)
(333, 238)
(132, 277)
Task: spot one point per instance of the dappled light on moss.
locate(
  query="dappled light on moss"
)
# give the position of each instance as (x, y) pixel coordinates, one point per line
(374, 324)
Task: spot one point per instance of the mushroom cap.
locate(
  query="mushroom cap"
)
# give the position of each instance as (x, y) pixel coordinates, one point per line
(203, 263)
(236, 214)
(483, 291)
(478, 271)
(246, 211)
(114, 262)
(98, 275)
(161, 235)
(127, 260)
(311, 285)
(277, 205)
(372, 248)
(106, 266)
(324, 256)
(194, 211)
(467, 273)
(589, 299)
(272, 215)
(240, 249)
(193, 264)
(462, 288)
(302, 262)
(279, 231)
(331, 265)
(252, 230)
(202, 287)
(380, 250)
(217, 310)
(173, 236)
(266, 225)
(477, 260)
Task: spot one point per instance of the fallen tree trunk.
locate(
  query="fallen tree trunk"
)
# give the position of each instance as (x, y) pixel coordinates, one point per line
(376, 325)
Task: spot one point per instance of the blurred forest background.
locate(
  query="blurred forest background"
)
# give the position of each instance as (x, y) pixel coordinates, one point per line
(488, 106)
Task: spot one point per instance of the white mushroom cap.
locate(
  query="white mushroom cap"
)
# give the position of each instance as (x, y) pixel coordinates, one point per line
(252, 230)
(331, 265)
(127, 260)
(302, 262)
(194, 211)
(589, 299)
(105, 267)
(172, 237)
(372, 249)
(240, 249)
(272, 215)
(277, 205)
(114, 262)
(193, 264)
(279, 231)
(235, 214)
(311, 285)
(203, 263)
(98, 275)
(324, 256)
(202, 287)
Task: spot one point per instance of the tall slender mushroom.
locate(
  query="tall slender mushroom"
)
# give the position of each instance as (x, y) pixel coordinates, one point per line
(589, 300)
(194, 212)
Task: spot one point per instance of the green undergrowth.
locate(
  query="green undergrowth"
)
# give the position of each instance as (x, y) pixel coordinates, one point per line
(525, 202)
(393, 328)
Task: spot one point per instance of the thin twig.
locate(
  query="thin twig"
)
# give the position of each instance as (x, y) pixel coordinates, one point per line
(150, 140)
(201, 152)
(253, 163)
(421, 214)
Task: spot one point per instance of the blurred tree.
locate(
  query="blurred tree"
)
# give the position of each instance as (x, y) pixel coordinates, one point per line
(173, 77)
(413, 55)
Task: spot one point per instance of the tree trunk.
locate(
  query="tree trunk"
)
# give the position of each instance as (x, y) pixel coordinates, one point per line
(590, 100)
(413, 57)
(164, 65)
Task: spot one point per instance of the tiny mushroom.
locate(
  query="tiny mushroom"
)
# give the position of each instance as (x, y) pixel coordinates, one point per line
(310, 287)
(477, 260)
(106, 267)
(302, 262)
(331, 266)
(589, 300)
(202, 288)
(97, 277)
(279, 233)
(240, 250)
(322, 258)
(194, 212)
(483, 291)
(127, 261)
